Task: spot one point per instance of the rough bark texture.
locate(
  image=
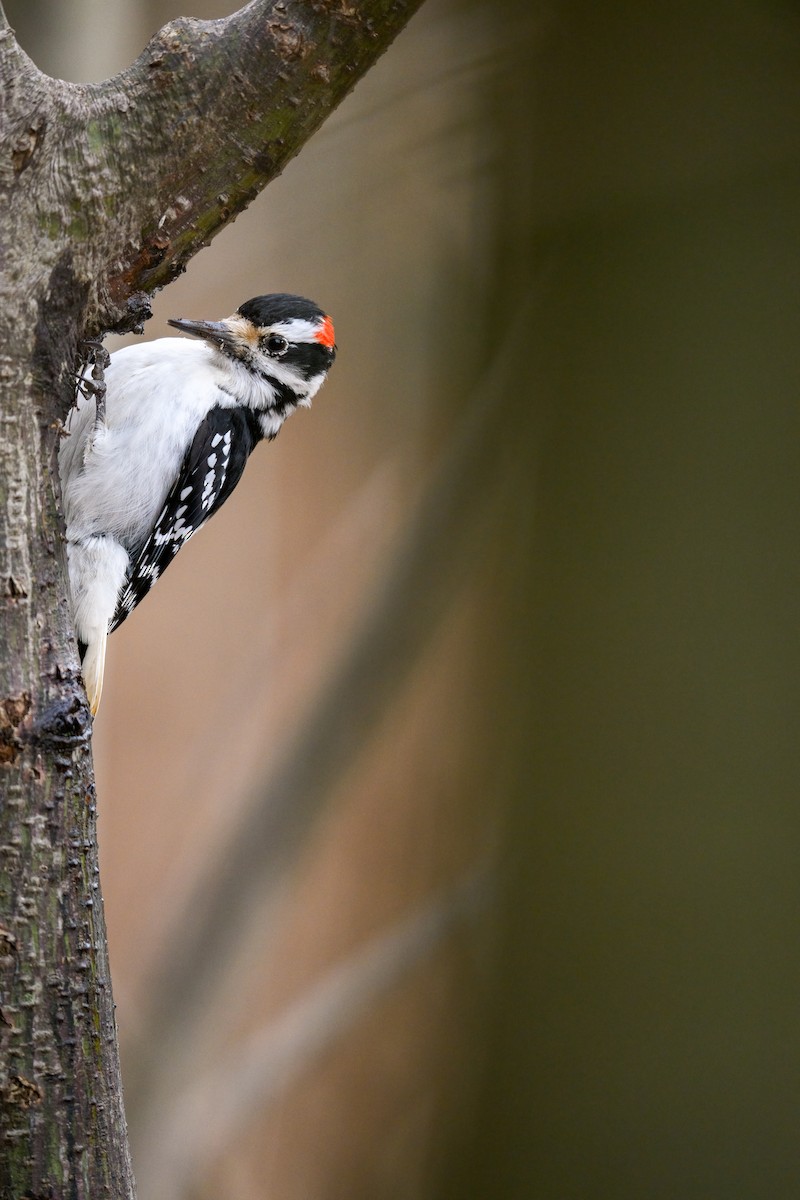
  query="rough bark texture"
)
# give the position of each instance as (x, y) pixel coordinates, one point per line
(106, 191)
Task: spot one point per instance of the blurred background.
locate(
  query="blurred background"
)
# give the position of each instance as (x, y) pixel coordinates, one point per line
(450, 818)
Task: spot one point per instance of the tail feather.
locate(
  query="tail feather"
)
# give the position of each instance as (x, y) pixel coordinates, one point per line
(97, 569)
(94, 664)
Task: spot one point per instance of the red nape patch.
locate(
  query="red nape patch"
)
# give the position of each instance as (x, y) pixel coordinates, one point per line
(326, 334)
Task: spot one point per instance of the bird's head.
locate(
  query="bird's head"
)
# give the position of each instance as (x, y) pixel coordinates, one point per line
(284, 344)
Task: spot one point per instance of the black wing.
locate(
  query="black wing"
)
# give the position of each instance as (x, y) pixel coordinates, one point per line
(210, 471)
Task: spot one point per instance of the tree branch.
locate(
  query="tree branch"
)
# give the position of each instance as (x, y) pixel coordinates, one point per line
(7, 37)
(184, 139)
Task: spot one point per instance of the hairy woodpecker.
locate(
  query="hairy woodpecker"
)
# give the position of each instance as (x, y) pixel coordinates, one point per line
(154, 453)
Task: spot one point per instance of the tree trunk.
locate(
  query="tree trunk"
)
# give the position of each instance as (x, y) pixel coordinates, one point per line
(106, 191)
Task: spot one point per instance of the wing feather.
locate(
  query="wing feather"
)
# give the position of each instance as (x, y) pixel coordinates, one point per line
(210, 471)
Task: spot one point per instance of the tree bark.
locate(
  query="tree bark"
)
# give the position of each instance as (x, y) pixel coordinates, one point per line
(106, 192)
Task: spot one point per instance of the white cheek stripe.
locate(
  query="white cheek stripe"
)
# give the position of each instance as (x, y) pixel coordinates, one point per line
(297, 330)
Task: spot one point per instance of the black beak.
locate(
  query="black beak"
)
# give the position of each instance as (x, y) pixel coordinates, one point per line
(217, 332)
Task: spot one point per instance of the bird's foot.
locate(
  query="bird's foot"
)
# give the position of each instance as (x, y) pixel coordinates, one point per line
(93, 385)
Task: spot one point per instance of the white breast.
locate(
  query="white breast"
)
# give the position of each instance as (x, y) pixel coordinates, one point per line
(157, 395)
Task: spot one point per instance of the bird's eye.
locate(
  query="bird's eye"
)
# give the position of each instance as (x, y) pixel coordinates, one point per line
(275, 345)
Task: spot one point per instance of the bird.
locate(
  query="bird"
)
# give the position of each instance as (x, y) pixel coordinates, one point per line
(157, 441)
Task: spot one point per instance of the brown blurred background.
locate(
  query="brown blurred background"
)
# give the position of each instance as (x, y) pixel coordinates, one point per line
(450, 819)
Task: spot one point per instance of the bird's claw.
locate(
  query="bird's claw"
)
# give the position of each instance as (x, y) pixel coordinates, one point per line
(94, 352)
